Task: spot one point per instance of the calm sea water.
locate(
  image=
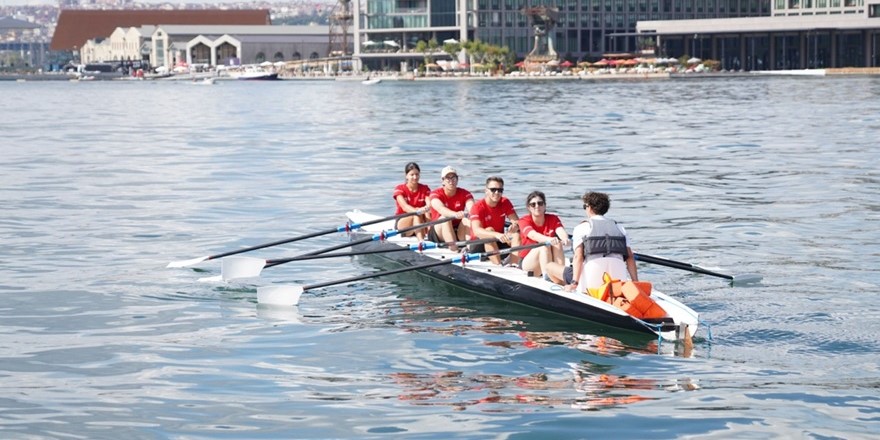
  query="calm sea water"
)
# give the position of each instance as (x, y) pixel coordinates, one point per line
(104, 183)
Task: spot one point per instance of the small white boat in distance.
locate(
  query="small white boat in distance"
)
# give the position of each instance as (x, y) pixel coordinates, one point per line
(371, 81)
(254, 73)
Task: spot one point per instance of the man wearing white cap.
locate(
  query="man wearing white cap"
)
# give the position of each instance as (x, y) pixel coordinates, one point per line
(450, 201)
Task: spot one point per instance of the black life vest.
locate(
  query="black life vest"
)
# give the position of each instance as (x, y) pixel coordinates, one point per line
(605, 239)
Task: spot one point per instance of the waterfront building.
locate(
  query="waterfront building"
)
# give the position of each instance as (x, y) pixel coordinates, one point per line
(799, 34)
(21, 43)
(76, 27)
(224, 45)
(742, 34)
(387, 31)
(124, 44)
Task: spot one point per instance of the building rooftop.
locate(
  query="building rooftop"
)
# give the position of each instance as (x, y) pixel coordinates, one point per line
(75, 26)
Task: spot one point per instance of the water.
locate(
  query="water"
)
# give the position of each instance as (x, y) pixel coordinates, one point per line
(104, 183)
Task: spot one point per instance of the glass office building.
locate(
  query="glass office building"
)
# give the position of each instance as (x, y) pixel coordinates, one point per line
(388, 30)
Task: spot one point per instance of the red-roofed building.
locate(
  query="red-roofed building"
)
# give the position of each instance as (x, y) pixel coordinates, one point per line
(76, 26)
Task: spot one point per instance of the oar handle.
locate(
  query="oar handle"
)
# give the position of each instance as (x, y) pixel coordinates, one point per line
(343, 228)
(679, 265)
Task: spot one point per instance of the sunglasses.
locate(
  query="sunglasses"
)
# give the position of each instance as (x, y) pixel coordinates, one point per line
(537, 204)
(496, 190)
(452, 177)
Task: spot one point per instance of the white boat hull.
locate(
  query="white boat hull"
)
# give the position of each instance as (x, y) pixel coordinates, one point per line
(513, 284)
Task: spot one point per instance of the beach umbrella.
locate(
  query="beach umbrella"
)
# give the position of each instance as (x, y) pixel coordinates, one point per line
(369, 43)
(567, 63)
(450, 41)
(694, 60)
(391, 43)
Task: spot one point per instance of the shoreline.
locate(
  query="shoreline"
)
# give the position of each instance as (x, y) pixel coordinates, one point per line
(848, 71)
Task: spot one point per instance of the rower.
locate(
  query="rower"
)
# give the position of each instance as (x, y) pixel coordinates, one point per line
(487, 221)
(600, 246)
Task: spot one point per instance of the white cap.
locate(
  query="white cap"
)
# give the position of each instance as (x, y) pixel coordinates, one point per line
(447, 171)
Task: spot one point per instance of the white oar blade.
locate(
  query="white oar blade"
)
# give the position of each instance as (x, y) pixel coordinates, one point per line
(213, 279)
(279, 295)
(186, 263)
(749, 278)
(285, 314)
(232, 268)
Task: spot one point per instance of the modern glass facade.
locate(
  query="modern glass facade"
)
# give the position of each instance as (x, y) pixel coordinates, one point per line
(594, 27)
(584, 27)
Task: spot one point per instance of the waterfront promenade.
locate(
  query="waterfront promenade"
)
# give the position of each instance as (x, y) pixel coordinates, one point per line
(849, 71)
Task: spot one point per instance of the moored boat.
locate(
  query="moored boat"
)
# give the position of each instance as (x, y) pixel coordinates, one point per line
(254, 73)
(512, 284)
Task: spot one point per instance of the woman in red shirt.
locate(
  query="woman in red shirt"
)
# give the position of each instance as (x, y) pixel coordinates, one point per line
(412, 196)
(539, 226)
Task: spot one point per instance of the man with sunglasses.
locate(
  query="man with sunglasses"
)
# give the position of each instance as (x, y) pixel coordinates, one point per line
(487, 221)
(450, 201)
(600, 245)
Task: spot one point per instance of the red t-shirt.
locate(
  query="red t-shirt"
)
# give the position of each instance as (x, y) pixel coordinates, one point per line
(456, 202)
(491, 217)
(415, 198)
(527, 224)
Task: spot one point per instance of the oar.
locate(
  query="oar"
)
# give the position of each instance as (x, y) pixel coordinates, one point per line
(248, 267)
(738, 279)
(421, 246)
(346, 227)
(289, 295)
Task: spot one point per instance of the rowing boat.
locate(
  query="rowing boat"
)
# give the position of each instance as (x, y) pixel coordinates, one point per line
(513, 284)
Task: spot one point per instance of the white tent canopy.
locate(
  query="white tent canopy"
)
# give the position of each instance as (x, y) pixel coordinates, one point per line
(391, 43)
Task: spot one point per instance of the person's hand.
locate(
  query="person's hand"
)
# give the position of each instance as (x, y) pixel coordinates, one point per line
(459, 214)
(504, 238)
(564, 241)
(554, 241)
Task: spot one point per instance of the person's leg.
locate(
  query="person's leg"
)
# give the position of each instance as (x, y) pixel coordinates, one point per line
(492, 246)
(403, 223)
(556, 272)
(531, 262)
(421, 232)
(446, 234)
(514, 242)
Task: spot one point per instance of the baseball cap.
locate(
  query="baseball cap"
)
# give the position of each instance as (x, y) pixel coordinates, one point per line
(447, 171)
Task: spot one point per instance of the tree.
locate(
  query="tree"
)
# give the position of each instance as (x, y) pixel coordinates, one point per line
(427, 48)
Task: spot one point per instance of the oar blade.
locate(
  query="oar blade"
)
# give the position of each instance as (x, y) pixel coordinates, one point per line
(232, 268)
(746, 279)
(279, 295)
(186, 263)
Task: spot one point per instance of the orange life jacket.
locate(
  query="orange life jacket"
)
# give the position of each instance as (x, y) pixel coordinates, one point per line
(633, 297)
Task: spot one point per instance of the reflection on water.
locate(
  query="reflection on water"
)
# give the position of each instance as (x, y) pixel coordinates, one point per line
(585, 389)
(775, 176)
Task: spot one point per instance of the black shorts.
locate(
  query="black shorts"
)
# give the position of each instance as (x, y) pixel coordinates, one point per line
(479, 248)
(568, 275)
